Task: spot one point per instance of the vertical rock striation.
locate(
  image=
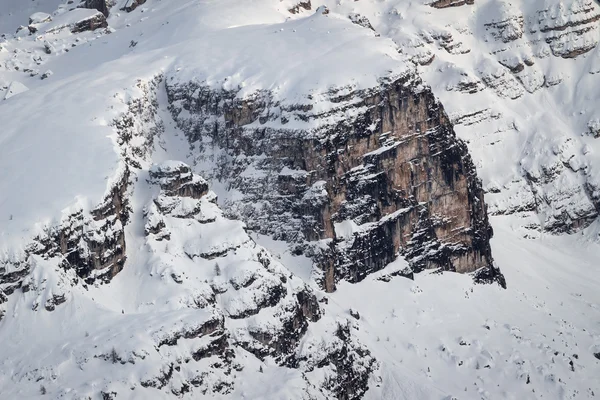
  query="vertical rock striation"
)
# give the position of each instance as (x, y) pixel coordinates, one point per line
(378, 175)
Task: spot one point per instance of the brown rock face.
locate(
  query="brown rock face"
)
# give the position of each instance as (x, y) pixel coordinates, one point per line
(395, 172)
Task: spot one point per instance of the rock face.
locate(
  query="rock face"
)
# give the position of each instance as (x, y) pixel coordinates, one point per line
(267, 310)
(88, 247)
(233, 295)
(90, 23)
(99, 5)
(91, 245)
(450, 3)
(393, 179)
(131, 5)
(504, 55)
(564, 28)
(558, 182)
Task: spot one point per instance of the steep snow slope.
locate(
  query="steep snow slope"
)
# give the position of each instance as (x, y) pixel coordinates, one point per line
(197, 306)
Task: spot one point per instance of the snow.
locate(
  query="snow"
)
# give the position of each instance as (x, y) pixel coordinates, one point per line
(346, 229)
(16, 13)
(14, 89)
(442, 336)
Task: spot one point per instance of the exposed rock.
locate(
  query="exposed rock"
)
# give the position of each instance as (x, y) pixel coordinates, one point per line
(132, 5)
(91, 23)
(322, 10)
(39, 17)
(396, 172)
(12, 274)
(54, 301)
(306, 5)
(450, 3)
(208, 327)
(498, 78)
(508, 29)
(361, 20)
(262, 286)
(99, 5)
(594, 128)
(176, 179)
(569, 30)
(184, 228)
(352, 362)
(94, 246)
(446, 41)
(48, 48)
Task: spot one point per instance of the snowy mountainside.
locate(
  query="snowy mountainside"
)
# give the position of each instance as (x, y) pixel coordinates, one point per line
(518, 80)
(224, 199)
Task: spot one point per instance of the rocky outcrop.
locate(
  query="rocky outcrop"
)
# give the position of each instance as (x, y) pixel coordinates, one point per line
(176, 179)
(361, 20)
(507, 29)
(12, 274)
(450, 3)
(569, 30)
(99, 5)
(352, 362)
(92, 243)
(186, 208)
(392, 180)
(239, 295)
(244, 283)
(90, 23)
(131, 5)
(556, 170)
(94, 246)
(302, 5)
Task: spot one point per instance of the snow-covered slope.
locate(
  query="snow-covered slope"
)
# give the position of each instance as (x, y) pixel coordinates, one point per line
(205, 199)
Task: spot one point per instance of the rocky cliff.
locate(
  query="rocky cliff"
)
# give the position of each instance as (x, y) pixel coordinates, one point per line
(388, 178)
(233, 296)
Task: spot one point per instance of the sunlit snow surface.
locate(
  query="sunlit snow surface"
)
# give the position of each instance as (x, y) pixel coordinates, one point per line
(437, 337)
